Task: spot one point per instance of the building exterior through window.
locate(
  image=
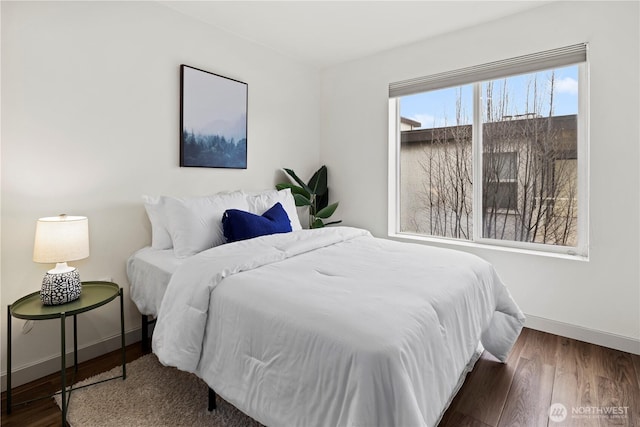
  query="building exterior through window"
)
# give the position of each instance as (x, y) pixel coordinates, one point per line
(529, 180)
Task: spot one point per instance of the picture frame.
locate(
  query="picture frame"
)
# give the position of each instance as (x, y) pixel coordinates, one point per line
(213, 120)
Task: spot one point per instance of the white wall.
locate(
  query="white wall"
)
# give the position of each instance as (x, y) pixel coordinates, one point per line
(90, 112)
(601, 295)
(90, 118)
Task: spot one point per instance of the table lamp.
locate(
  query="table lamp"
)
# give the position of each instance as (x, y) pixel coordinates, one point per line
(58, 240)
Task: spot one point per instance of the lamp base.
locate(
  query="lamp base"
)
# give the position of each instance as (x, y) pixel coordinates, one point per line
(60, 288)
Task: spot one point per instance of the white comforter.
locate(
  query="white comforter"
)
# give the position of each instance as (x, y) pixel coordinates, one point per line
(333, 327)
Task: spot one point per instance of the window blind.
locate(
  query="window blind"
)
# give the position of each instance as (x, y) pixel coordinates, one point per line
(548, 59)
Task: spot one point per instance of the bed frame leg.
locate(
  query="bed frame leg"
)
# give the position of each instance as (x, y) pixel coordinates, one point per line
(212, 400)
(145, 333)
(146, 322)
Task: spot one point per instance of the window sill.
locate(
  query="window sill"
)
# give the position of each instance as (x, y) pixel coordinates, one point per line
(453, 243)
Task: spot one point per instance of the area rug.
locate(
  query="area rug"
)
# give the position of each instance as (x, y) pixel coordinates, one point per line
(152, 395)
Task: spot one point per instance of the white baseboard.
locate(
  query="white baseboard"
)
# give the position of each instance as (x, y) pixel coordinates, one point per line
(24, 374)
(579, 333)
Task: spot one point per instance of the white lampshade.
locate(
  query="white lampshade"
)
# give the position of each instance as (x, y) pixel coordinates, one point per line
(61, 238)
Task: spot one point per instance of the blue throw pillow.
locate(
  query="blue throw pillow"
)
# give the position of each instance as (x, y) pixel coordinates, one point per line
(242, 225)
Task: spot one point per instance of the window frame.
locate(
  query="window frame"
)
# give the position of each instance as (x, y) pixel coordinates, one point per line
(580, 251)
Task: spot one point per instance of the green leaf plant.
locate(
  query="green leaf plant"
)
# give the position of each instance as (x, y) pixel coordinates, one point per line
(313, 194)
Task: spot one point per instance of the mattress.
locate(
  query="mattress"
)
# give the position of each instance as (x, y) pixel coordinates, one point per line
(149, 271)
(334, 327)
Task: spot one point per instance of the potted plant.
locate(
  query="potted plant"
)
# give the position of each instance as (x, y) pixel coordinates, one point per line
(313, 194)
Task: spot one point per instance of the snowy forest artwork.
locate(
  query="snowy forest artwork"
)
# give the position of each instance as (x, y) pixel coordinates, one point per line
(213, 120)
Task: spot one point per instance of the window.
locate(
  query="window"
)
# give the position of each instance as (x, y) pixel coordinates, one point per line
(494, 154)
(500, 175)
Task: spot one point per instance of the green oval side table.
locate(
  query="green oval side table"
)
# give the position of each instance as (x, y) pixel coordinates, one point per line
(30, 307)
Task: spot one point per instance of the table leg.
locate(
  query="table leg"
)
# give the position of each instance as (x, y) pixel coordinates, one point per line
(75, 342)
(63, 392)
(8, 359)
(124, 353)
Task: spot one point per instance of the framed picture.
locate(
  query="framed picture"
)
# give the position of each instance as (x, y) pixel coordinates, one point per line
(213, 120)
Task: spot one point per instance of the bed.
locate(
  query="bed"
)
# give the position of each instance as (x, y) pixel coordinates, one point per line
(324, 327)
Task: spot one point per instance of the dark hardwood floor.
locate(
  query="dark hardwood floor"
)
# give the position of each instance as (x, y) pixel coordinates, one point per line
(597, 386)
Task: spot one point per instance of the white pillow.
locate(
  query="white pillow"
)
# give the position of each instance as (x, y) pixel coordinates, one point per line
(160, 237)
(260, 202)
(195, 223)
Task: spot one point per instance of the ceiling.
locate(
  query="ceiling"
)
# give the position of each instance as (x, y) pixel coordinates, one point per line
(325, 33)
